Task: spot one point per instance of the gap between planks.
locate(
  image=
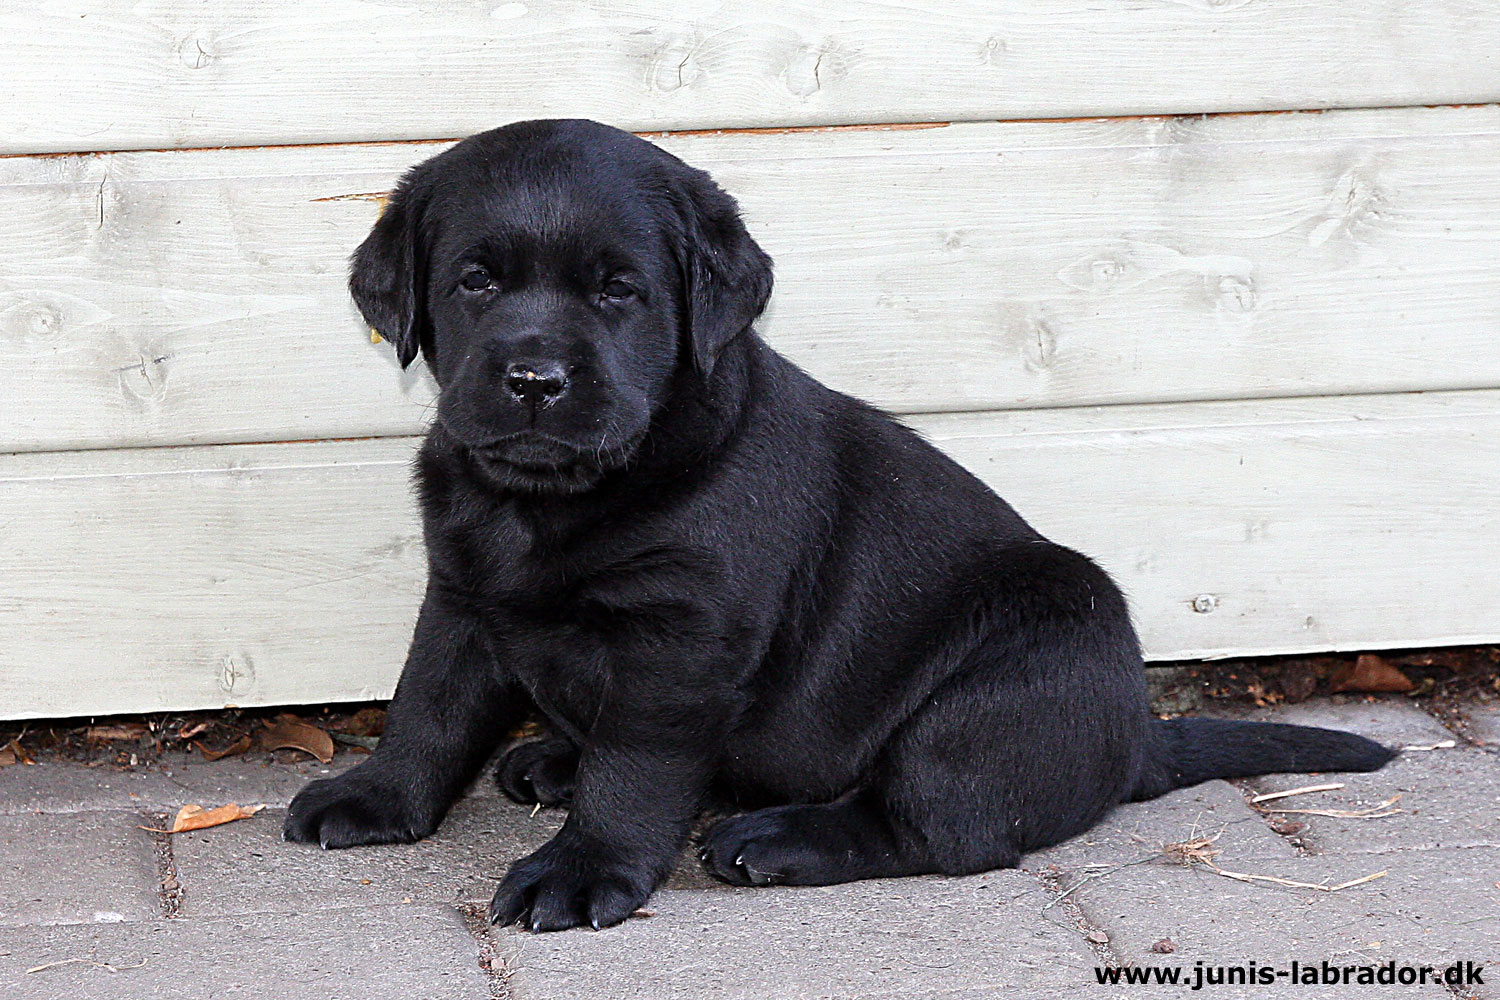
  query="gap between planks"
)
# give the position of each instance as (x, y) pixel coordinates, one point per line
(895, 126)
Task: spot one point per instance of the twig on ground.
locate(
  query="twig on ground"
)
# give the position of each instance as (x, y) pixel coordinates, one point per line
(1385, 808)
(1245, 877)
(1268, 796)
(1093, 875)
(1201, 851)
(1439, 745)
(85, 961)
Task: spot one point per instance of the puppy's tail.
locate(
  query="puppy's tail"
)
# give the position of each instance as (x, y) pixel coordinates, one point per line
(1187, 751)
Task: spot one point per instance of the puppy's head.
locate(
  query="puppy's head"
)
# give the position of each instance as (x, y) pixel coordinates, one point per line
(559, 278)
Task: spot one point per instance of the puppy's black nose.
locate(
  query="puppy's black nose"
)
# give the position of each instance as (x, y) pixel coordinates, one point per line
(536, 384)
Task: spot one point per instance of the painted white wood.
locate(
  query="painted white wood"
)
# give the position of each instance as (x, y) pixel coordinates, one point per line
(198, 297)
(264, 574)
(93, 74)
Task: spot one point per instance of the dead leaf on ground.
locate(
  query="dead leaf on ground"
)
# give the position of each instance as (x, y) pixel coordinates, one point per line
(195, 817)
(1164, 947)
(187, 732)
(18, 753)
(289, 732)
(1191, 852)
(117, 731)
(1299, 682)
(365, 722)
(239, 746)
(7, 756)
(1369, 673)
(364, 744)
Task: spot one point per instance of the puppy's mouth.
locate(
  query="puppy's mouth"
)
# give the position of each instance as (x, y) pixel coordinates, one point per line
(532, 452)
(534, 461)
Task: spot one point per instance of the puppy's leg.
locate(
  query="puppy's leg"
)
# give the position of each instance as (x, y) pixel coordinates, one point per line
(450, 711)
(854, 838)
(939, 799)
(958, 789)
(1037, 732)
(539, 771)
(640, 782)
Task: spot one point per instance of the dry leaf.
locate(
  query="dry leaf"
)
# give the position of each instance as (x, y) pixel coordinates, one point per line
(239, 746)
(118, 731)
(288, 731)
(188, 732)
(19, 752)
(7, 756)
(365, 722)
(1298, 683)
(1369, 673)
(195, 817)
(1164, 947)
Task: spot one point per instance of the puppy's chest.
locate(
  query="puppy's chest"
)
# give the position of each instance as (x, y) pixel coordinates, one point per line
(585, 593)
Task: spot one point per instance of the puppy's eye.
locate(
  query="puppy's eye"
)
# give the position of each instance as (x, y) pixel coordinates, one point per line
(476, 279)
(616, 291)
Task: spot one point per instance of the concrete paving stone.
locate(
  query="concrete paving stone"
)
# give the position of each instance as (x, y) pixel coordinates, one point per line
(402, 953)
(903, 938)
(53, 787)
(1432, 907)
(1484, 723)
(1393, 720)
(76, 868)
(246, 867)
(255, 778)
(62, 787)
(1448, 798)
(1140, 829)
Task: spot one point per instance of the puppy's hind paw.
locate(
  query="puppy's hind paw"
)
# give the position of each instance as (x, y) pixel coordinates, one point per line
(540, 771)
(746, 850)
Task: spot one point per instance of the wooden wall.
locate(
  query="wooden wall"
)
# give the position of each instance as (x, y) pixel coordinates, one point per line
(1251, 361)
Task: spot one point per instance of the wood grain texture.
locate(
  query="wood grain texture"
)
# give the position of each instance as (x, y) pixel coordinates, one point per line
(270, 574)
(198, 297)
(92, 75)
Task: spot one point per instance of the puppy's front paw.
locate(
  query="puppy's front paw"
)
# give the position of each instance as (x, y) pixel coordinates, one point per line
(360, 807)
(569, 883)
(538, 771)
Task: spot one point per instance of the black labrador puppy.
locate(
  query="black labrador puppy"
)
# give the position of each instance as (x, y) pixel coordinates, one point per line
(708, 572)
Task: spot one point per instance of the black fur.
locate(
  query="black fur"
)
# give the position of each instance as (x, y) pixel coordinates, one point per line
(706, 571)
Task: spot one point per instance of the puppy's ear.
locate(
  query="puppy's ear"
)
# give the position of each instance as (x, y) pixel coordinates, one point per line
(726, 275)
(387, 274)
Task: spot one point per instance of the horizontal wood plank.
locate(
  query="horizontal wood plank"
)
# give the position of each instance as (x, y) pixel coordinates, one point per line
(198, 297)
(268, 574)
(93, 75)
